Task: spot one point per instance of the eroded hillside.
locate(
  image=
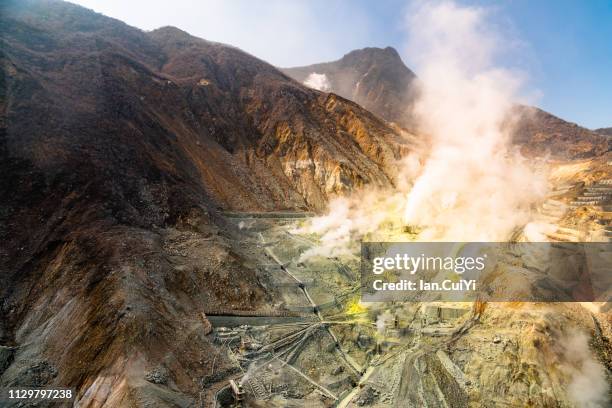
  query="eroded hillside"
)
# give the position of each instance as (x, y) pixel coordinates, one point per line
(118, 149)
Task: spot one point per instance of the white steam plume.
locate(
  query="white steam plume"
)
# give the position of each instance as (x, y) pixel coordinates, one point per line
(318, 82)
(588, 387)
(350, 219)
(472, 185)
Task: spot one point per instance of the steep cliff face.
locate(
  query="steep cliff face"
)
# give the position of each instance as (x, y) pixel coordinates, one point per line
(117, 150)
(375, 78)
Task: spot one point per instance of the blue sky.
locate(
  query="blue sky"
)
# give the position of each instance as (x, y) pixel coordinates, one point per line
(564, 47)
(571, 46)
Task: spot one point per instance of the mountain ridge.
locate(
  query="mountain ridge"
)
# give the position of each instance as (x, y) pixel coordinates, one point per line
(604, 131)
(393, 89)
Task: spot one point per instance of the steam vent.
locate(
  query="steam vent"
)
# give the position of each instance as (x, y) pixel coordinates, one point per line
(184, 223)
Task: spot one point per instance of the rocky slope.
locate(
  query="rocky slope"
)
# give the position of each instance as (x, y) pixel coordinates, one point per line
(297, 146)
(378, 80)
(117, 150)
(540, 133)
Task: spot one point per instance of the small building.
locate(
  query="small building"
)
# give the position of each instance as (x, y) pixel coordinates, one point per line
(237, 391)
(434, 313)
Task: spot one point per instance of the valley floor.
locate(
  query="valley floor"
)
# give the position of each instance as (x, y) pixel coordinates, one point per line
(326, 349)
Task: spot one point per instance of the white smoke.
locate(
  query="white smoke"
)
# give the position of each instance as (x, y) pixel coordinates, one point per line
(318, 82)
(588, 387)
(383, 321)
(473, 186)
(350, 219)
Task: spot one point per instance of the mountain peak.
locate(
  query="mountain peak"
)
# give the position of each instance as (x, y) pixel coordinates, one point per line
(170, 30)
(376, 78)
(175, 37)
(373, 52)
